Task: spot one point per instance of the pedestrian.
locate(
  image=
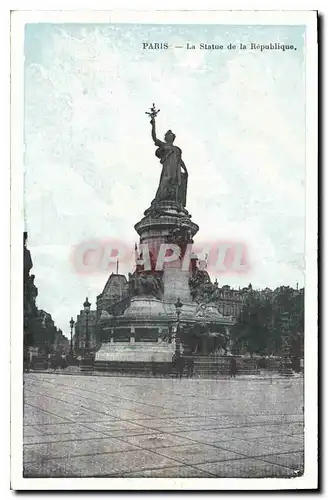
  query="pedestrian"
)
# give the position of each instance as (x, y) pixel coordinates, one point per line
(174, 363)
(190, 366)
(233, 368)
(181, 364)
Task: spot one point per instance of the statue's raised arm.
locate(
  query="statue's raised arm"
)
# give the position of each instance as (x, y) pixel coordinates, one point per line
(153, 134)
(153, 113)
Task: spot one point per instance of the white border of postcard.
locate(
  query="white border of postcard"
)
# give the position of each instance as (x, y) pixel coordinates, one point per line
(306, 18)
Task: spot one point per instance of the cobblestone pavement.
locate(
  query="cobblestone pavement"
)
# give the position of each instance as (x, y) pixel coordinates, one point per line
(83, 426)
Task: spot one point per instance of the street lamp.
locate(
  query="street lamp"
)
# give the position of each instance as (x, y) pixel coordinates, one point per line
(87, 306)
(71, 324)
(178, 307)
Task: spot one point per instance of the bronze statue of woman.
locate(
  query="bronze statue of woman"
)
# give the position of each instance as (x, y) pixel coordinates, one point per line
(174, 176)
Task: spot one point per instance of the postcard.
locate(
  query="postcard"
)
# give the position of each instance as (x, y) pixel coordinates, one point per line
(164, 229)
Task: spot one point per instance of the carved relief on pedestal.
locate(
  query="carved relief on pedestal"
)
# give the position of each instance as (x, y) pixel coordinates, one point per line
(146, 283)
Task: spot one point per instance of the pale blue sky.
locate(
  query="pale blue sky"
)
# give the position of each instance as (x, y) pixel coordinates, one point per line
(90, 169)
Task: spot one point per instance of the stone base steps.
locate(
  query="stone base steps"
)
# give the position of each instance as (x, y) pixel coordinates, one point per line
(95, 373)
(137, 368)
(213, 366)
(39, 364)
(204, 367)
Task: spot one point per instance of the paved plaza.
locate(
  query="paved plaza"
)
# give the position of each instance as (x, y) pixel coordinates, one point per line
(84, 426)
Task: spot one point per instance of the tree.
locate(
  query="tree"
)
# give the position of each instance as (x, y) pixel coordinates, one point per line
(268, 317)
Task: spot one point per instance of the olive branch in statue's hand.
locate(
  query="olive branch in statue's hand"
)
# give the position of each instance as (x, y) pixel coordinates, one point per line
(152, 113)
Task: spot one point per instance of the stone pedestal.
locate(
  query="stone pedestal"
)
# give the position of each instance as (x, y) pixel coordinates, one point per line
(176, 285)
(146, 329)
(168, 223)
(165, 222)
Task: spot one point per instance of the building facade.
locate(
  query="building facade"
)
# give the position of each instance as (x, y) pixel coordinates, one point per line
(61, 343)
(115, 291)
(230, 301)
(40, 332)
(30, 294)
(85, 325)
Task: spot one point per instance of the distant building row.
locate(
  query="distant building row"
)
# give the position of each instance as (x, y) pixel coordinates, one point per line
(40, 332)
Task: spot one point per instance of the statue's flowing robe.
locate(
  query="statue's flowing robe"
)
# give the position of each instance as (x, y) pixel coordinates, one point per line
(173, 182)
(182, 194)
